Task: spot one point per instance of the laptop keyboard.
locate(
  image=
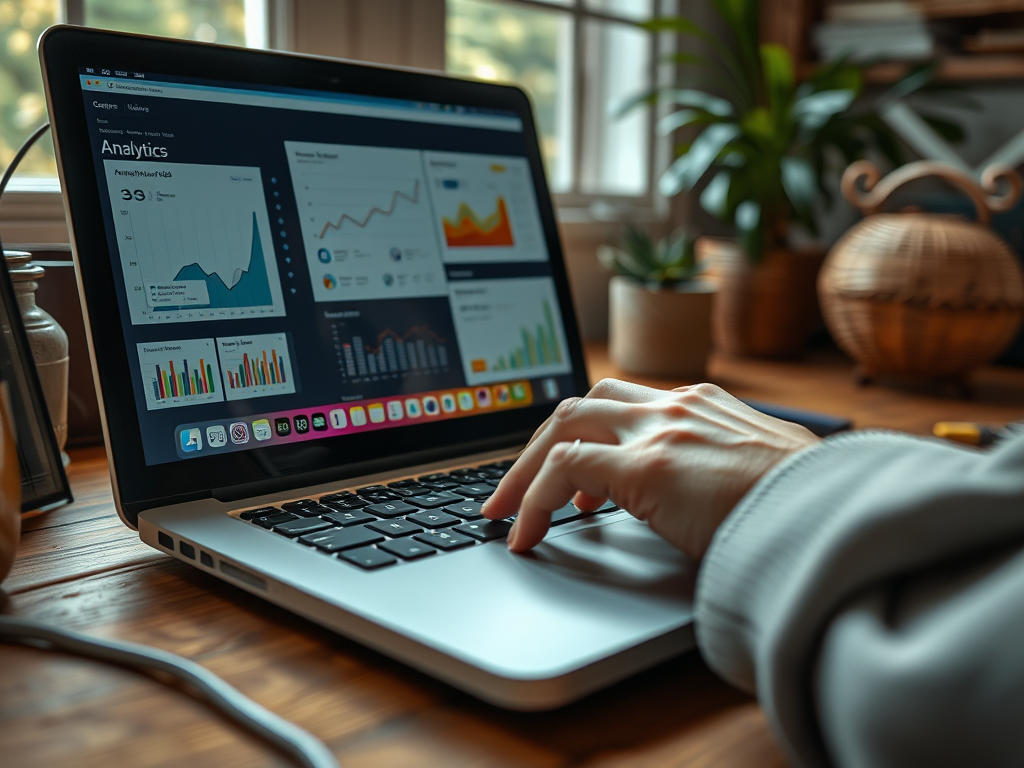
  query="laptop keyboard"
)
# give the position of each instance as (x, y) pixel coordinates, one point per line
(383, 525)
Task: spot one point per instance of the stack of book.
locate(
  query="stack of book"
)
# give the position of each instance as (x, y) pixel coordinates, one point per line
(870, 30)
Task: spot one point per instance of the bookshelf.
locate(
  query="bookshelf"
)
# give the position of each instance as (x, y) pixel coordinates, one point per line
(789, 22)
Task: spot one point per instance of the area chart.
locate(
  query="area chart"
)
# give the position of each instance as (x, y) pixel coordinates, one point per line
(194, 242)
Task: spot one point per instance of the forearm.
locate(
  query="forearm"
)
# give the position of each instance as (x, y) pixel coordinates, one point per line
(816, 531)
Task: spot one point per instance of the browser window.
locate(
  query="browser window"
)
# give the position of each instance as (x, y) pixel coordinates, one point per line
(293, 265)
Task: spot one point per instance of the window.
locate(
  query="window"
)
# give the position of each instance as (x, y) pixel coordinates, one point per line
(22, 107)
(579, 60)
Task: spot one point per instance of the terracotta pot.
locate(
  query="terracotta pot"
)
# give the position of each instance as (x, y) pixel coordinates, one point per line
(10, 487)
(662, 332)
(922, 295)
(766, 309)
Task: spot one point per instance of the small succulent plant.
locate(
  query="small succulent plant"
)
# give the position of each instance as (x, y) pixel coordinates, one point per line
(666, 263)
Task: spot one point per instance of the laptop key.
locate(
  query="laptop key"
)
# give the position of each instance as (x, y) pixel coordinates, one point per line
(369, 558)
(434, 500)
(343, 538)
(486, 530)
(252, 514)
(391, 508)
(475, 491)
(303, 525)
(271, 520)
(467, 510)
(395, 528)
(344, 519)
(350, 502)
(445, 540)
(291, 506)
(316, 510)
(433, 519)
(408, 549)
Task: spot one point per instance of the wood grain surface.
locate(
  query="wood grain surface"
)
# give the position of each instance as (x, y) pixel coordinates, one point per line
(80, 568)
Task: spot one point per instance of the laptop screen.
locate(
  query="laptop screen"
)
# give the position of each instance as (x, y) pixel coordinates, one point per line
(292, 265)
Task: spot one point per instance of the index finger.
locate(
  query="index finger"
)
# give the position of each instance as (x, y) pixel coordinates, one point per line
(595, 418)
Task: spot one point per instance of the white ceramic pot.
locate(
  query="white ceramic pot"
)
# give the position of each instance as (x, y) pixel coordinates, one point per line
(661, 332)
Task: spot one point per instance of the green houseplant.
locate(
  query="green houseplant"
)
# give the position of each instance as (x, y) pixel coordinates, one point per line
(659, 310)
(760, 141)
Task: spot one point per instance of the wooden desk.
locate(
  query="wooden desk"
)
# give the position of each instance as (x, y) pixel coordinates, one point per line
(80, 568)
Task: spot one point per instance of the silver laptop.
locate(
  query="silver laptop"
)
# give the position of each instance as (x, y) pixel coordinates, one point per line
(327, 306)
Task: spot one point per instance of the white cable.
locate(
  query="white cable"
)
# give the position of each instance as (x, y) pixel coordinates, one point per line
(307, 750)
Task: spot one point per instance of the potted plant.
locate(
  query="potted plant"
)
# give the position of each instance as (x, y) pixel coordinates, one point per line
(761, 142)
(659, 311)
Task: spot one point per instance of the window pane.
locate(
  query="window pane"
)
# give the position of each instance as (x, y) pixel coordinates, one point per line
(22, 107)
(615, 149)
(628, 9)
(211, 21)
(529, 47)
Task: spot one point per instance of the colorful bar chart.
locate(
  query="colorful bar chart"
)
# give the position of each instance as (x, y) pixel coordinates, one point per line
(540, 346)
(178, 373)
(255, 366)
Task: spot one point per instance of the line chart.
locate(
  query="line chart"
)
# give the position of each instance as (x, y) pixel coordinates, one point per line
(386, 212)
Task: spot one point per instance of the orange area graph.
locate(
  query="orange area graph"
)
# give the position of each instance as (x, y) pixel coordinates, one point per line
(414, 198)
(469, 231)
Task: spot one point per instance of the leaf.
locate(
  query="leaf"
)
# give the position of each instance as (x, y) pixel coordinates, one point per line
(684, 117)
(813, 111)
(685, 172)
(688, 97)
(681, 25)
(916, 79)
(749, 230)
(798, 180)
(683, 57)
(715, 197)
(779, 81)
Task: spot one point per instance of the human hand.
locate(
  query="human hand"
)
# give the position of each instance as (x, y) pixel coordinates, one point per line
(680, 460)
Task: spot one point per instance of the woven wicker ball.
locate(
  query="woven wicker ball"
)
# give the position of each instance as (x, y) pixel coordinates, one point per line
(922, 295)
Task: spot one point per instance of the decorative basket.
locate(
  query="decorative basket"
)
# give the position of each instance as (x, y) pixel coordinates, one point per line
(921, 295)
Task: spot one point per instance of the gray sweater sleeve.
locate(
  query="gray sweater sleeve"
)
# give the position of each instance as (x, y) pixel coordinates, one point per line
(870, 590)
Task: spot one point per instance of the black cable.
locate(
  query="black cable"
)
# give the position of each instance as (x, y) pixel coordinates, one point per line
(305, 748)
(36, 134)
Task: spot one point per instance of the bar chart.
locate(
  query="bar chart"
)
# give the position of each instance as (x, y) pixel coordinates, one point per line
(256, 366)
(416, 350)
(179, 373)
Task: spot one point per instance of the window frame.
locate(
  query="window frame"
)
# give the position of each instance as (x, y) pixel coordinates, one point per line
(575, 205)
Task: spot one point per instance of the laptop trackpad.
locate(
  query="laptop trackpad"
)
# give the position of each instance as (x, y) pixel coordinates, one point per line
(623, 553)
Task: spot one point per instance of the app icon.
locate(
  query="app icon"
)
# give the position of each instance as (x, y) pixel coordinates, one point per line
(216, 436)
(357, 415)
(338, 418)
(376, 411)
(518, 391)
(191, 440)
(261, 429)
(430, 406)
(483, 397)
(501, 395)
(412, 408)
(239, 433)
(550, 389)
(301, 424)
(448, 402)
(319, 422)
(283, 427)
(395, 412)
(324, 255)
(329, 282)
(465, 401)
